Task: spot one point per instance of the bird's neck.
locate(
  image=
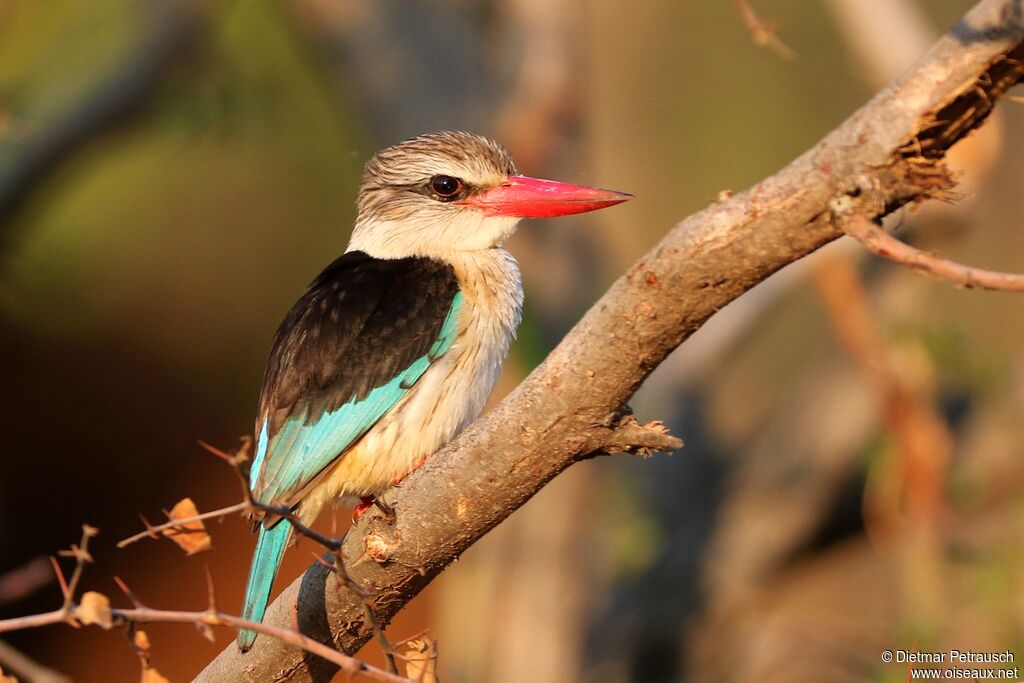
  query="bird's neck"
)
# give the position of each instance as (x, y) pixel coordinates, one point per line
(490, 280)
(492, 296)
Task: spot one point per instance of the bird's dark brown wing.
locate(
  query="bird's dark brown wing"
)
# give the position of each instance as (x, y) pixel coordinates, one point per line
(348, 350)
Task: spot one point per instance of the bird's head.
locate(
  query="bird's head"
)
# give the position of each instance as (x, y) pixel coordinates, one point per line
(449, 192)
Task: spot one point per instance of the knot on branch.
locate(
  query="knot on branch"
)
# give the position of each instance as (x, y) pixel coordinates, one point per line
(381, 548)
(905, 179)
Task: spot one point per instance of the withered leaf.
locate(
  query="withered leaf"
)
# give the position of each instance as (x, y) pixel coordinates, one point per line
(420, 659)
(151, 675)
(141, 641)
(95, 609)
(191, 536)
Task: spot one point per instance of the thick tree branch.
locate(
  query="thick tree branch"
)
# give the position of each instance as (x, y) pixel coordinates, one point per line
(888, 153)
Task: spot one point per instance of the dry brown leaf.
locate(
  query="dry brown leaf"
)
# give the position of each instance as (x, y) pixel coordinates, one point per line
(4, 678)
(151, 675)
(191, 536)
(95, 609)
(420, 659)
(141, 641)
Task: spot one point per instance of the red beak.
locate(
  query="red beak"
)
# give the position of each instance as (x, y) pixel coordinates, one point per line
(534, 198)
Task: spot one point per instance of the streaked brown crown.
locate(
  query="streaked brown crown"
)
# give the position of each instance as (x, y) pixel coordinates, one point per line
(410, 165)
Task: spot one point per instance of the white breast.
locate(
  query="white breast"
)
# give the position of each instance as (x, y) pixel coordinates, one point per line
(449, 395)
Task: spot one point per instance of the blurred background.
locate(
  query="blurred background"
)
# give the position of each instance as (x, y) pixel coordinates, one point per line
(173, 173)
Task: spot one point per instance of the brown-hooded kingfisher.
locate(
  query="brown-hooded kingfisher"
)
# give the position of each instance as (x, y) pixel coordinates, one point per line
(398, 343)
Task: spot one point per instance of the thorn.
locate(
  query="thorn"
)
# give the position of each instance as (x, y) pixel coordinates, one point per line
(242, 454)
(60, 576)
(322, 561)
(205, 631)
(226, 457)
(149, 527)
(128, 592)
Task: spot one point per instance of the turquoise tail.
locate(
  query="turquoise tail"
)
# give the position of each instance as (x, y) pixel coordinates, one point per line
(265, 561)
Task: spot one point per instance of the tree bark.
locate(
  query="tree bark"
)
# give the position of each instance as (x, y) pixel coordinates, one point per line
(573, 406)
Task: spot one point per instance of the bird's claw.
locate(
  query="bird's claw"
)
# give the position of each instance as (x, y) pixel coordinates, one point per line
(367, 502)
(387, 510)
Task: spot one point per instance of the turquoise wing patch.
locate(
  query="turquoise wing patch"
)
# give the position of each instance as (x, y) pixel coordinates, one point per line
(298, 452)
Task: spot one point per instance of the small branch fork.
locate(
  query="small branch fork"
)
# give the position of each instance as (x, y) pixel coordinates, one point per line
(881, 243)
(100, 613)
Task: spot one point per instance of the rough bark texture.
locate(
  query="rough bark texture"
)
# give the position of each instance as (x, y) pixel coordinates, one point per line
(886, 154)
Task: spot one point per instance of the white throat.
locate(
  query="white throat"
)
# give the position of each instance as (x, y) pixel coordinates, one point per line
(450, 236)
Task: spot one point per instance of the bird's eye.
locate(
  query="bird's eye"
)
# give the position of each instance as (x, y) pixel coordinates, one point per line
(445, 187)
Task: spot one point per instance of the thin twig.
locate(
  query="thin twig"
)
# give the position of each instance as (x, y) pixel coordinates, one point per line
(177, 525)
(345, 580)
(26, 668)
(250, 506)
(348, 664)
(143, 615)
(61, 581)
(25, 580)
(69, 613)
(762, 32)
(885, 245)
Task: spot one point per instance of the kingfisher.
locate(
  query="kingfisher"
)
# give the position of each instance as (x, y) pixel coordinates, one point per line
(398, 343)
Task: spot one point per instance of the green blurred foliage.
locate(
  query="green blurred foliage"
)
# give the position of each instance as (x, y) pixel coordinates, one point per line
(197, 225)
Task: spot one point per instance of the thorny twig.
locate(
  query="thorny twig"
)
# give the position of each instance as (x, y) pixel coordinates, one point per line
(250, 506)
(69, 613)
(81, 554)
(370, 617)
(179, 525)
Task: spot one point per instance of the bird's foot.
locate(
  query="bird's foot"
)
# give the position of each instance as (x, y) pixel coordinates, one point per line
(367, 502)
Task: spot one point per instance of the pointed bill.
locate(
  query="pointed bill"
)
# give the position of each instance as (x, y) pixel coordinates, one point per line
(526, 197)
